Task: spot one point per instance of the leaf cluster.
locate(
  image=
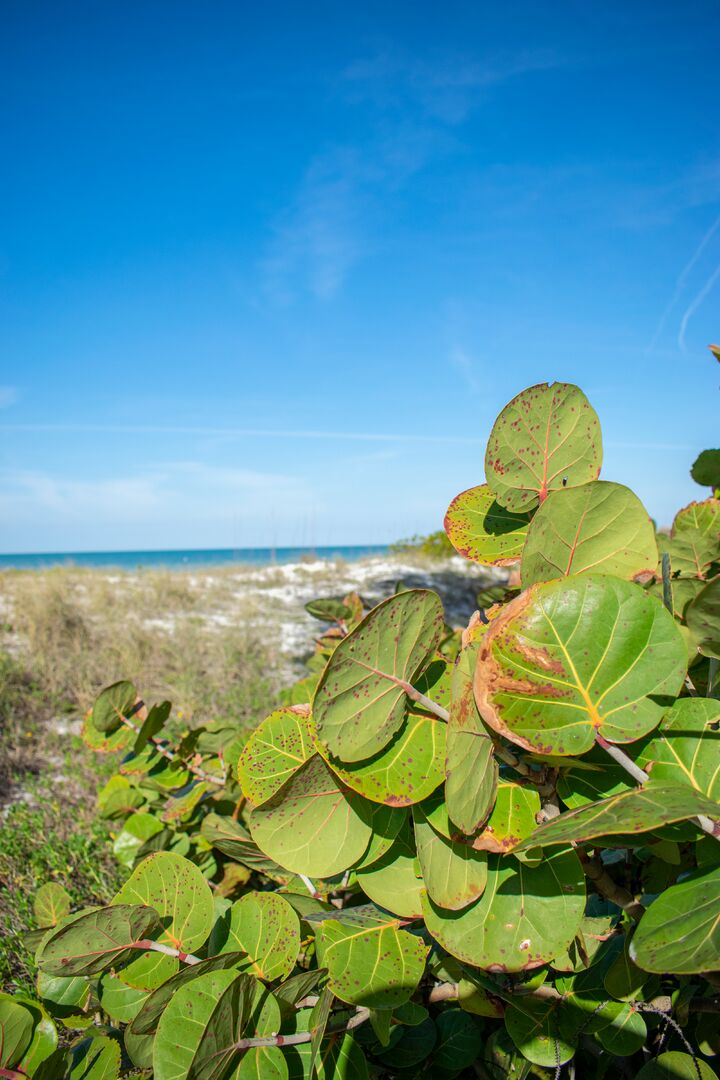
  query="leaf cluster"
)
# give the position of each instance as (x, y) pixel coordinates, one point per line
(475, 852)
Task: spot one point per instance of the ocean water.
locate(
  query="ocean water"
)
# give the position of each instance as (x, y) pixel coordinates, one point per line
(188, 559)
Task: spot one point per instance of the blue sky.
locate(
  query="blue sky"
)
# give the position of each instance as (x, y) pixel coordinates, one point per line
(268, 272)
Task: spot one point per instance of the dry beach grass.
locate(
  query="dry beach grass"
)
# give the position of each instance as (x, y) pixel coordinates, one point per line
(218, 643)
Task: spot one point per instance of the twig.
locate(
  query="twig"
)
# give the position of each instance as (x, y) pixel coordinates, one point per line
(426, 702)
(596, 872)
(310, 887)
(162, 748)
(712, 828)
(361, 1015)
(167, 950)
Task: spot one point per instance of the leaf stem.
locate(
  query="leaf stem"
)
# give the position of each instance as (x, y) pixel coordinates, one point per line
(360, 1016)
(426, 702)
(166, 950)
(162, 748)
(712, 828)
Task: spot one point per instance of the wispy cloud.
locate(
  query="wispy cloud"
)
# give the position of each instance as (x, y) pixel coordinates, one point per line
(695, 304)
(682, 281)
(464, 364)
(413, 104)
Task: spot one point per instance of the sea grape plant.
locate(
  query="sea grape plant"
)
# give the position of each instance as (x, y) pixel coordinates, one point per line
(485, 852)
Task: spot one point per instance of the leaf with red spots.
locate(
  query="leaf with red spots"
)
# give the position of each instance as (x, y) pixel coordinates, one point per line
(472, 771)
(599, 526)
(97, 940)
(680, 932)
(545, 439)
(275, 750)
(177, 890)
(314, 825)
(525, 917)
(582, 656)
(377, 964)
(454, 874)
(511, 820)
(266, 928)
(482, 530)
(405, 771)
(362, 698)
(636, 811)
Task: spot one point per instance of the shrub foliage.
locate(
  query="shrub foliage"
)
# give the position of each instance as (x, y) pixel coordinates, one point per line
(484, 852)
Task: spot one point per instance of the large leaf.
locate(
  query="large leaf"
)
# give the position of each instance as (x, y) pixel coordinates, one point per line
(471, 767)
(706, 469)
(386, 822)
(635, 811)
(702, 517)
(96, 1058)
(315, 825)
(361, 699)
(274, 751)
(685, 749)
(703, 619)
(405, 771)
(148, 1017)
(482, 530)
(376, 964)
(453, 873)
(680, 933)
(265, 927)
(202, 1022)
(675, 1065)
(599, 526)
(533, 1027)
(582, 656)
(232, 840)
(511, 820)
(546, 438)
(525, 917)
(179, 893)
(100, 939)
(393, 881)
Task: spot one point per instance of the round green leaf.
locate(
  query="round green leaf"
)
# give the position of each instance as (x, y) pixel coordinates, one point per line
(453, 873)
(482, 530)
(702, 517)
(599, 526)
(392, 881)
(265, 928)
(97, 1058)
(136, 831)
(201, 1023)
(570, 659)
(118, 798)
(52, 903)
(525, 917)
(546, 438)
(177, 890)
(685, 749)
(44, 1035)
(512, 818)
(703, 619)
(405, 771)
(329, 609)
(706, 469)
(361, 699)
(680, 933)
(459, 1039)
(674, 1065)
(114, 704)
(16, 1026)
(147, 1019)
(274, 751)
(376, 964)
(386, 822)
(533, 1027)
(119, 1001)
(96, 940)
(315, 825)
(638, 810)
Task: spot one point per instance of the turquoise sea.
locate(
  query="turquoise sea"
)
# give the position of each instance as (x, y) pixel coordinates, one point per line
(188, 559)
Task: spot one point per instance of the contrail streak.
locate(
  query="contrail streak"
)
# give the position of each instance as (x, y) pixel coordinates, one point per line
(707, 288)
(681, 282)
